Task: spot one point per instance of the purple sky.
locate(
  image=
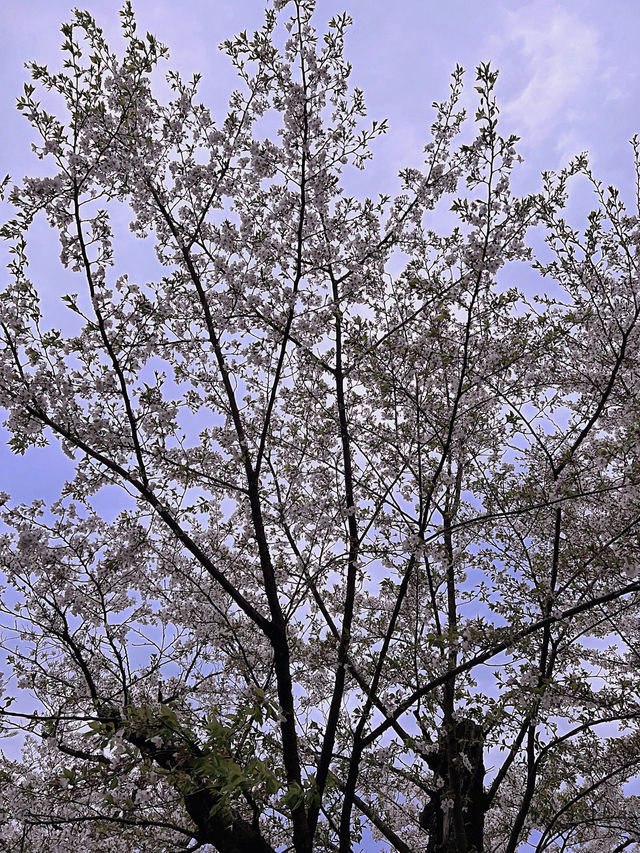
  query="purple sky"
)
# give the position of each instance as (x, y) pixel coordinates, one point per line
(570, 80)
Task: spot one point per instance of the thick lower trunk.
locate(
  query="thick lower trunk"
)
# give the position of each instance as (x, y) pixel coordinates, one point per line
(216, 823)
(228, 833)
(454, 817)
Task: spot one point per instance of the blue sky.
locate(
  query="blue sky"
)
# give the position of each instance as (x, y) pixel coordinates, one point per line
(569, 81)
(569, 74)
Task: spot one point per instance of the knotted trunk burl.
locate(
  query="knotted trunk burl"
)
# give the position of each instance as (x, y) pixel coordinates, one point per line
(454, 817)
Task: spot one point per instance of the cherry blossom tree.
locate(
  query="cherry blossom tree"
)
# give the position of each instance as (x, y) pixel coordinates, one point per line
(374, 571)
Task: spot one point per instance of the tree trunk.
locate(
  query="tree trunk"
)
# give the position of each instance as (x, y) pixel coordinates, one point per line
(459, 773)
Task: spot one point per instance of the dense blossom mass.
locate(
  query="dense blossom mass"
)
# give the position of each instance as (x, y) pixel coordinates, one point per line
(373, 579)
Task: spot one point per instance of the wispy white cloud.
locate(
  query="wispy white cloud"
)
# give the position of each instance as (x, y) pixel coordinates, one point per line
(558, 56)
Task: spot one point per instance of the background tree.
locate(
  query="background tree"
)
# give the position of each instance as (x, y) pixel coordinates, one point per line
(376, 561)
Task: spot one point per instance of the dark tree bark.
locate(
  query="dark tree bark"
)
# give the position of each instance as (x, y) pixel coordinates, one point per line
(216, 823)
(459, 769)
